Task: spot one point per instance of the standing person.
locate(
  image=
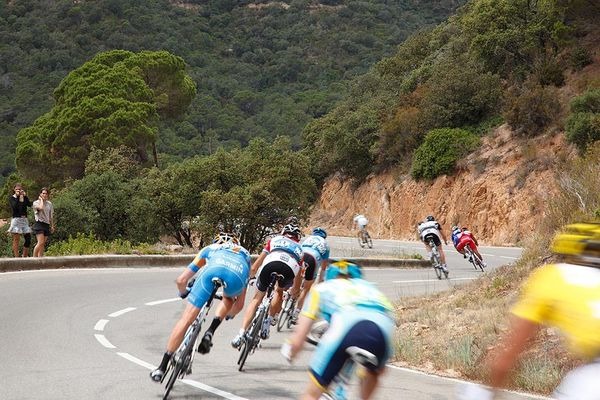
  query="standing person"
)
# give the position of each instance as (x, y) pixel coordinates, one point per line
(225, 259)
(44, 221)
(359, 315)
(19, 225)
(431, 229)
(565, 295)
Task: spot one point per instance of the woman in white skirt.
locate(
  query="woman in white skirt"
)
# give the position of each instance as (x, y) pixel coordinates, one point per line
(19, 225)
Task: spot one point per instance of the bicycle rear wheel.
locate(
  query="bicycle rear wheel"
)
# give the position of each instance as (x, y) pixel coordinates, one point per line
(368, 240)
(250, 342)
(361, 241)
(284, 314)
(477, 262)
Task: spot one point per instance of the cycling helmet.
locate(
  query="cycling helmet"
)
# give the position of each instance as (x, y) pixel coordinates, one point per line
(343, 267)
(578, 240)
(291, 230)
(454, 228)
(224, 237)
(320, 232)
(430, 218)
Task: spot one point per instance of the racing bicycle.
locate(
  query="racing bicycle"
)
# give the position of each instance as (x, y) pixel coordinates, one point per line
(436, 260)
(251, 338)
(358, 357)
(364, 239)
(287, 310)
(181, 361)
(474, 258)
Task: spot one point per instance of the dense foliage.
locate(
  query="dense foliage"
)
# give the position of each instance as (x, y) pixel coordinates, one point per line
(455, 76)
(262, 68)
(114, 99)
(440, 151)
(583, 125)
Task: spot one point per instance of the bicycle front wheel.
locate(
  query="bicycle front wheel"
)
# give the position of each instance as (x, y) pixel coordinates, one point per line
(251, 341)
(176, 371)
(361, 242)
(368, 240)
(284, 314)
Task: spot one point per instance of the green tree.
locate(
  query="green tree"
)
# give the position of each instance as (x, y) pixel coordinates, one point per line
(114, 99)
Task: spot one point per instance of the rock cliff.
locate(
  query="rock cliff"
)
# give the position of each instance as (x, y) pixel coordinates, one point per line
(500, 192)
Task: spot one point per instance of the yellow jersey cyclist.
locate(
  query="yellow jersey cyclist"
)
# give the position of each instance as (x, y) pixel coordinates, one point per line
(565, 295)
(359, 315)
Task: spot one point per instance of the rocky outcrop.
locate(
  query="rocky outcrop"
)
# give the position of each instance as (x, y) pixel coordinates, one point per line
(500, 192)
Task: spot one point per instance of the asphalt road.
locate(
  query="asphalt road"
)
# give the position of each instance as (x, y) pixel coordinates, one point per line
(95, 334)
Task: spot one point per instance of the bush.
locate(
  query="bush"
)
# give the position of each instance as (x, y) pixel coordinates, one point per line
(589, 101)
(580, 57)
(88, 244)
(440, 151)
(532, 108)
(583, 129)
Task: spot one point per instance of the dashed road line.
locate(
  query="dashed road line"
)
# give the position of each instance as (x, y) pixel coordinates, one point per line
(136, 360)
(213, 390)
(121, 312)
(435, 280)
(157, 302)
(103, 341)
(100, 325)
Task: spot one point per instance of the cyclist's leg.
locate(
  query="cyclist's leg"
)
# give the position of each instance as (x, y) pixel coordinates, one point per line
(369, 383)
(276, 302)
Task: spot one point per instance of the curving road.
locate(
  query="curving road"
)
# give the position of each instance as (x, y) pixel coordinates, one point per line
(95, 334)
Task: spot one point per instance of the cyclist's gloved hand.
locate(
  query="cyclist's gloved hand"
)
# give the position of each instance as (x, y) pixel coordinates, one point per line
(286, 351)
(472, 391)
(184, 294)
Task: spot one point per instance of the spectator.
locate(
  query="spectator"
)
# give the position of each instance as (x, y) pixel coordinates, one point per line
(19, 225)
(44, 221)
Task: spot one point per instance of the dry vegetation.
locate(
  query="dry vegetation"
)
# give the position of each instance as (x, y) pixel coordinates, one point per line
(450, 333)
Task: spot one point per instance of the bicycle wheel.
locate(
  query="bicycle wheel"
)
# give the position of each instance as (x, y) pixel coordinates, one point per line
(175, 372)
(361, 242)
(251, 341)
(477, 262)
(368, 240)
(284, 314)
(316, 332)
(184, 358)
(290, 313)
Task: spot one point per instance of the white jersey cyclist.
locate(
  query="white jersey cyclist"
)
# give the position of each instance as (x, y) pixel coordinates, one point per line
(361, 221)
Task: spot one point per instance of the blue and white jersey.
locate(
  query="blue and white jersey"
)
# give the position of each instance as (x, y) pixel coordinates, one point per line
(230, 255)
(317, 247)
(456, 234)
(335, 295)
(283, 243)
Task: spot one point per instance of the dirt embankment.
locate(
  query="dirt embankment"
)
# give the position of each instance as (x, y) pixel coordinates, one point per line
(500, 192)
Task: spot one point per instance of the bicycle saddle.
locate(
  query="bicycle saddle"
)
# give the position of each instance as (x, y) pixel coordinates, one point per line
(362, 356)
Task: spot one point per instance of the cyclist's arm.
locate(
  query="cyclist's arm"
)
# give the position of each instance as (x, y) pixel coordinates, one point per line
(511, 346)
(257, 264)
(184, 277)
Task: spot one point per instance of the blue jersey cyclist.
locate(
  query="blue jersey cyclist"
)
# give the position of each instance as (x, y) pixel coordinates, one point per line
(315, 259)
(224, 259)
(359, 314)
(282, 254)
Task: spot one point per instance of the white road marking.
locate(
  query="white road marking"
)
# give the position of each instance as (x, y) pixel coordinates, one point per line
(104, 342)
(100, 325)
(212, 390)
(157, 302)
(121, 312)
(414, 371)
(434, 280)
(137, 361)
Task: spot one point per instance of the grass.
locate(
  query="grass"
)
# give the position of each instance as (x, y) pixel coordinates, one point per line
(84, 244)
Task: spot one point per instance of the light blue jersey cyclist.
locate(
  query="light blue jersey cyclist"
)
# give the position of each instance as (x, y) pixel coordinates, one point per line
(359, 314)
(316, 253)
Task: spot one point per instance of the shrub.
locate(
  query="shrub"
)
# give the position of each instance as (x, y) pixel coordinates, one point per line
(589, 101)
(440, 151)
(583, 129)
(580, 57)
(532, 108)
(88, 244)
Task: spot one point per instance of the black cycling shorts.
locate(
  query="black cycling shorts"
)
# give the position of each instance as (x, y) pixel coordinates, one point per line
(264, 275)
(310, 267)
(434, 237)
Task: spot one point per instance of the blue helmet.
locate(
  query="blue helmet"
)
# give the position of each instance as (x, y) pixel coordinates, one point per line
(320, 232)
(343, 267)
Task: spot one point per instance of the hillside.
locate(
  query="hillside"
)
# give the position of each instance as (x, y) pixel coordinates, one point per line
(499, 192)
(262, 68)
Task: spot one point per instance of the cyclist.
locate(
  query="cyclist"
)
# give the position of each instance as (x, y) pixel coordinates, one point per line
(225, 259)
(316, 255)
(431, 229)
(361, 222)
(359, 315)
(461, 237)
(282, 255)
(565, 295)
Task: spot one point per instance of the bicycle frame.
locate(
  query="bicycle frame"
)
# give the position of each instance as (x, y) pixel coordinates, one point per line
(251, 339)
(339, 385)
(181, 361)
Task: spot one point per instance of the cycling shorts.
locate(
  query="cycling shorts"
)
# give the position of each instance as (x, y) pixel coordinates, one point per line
(310, 267)
(463, 241)
(432, 236)
(580, 384)
(364, 328)
(234, 281)
(280, 262)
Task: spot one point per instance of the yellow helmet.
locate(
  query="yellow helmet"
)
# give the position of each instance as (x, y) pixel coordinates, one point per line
(580, 239)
